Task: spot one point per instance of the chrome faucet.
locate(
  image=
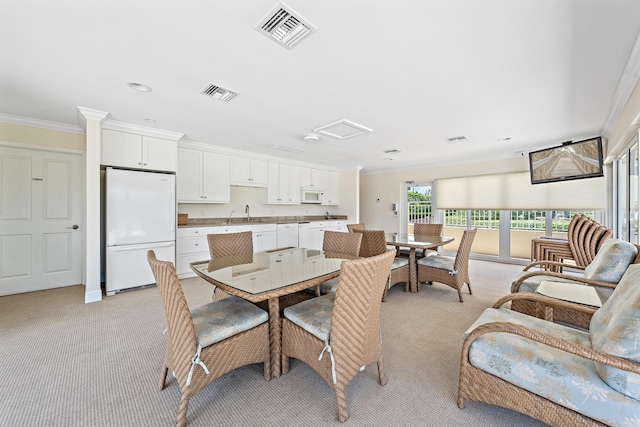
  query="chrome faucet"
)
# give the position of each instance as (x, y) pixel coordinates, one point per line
(326, 215)
(246, 210)
(230, 215)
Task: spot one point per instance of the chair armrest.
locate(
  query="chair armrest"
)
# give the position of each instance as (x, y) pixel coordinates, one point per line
(546, 339)
(589, 282)
(546, 301)
(548, 264)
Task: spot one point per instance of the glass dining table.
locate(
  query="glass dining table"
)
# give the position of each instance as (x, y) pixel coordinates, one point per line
(413, 242)
(269, 276)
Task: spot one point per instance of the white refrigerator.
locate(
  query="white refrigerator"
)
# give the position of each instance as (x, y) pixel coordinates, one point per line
(140, 215)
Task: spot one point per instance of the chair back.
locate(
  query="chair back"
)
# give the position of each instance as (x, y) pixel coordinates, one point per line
(585, 237)
(429, 229)
(461, 263)
(230, 244)
(373, 242)
(180, 329)
(352, 227)
(355, 321)
(342, 243)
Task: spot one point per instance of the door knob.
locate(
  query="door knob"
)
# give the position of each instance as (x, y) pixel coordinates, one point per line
(74, 226)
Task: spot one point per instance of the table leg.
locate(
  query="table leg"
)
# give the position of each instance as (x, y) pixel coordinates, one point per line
(275, 336)
(413, 273)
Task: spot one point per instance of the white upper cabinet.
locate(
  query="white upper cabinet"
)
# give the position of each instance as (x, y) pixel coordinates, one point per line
(284, 184)
(314, 178)
(249, 172)
(332, 190)
(202, 177)
(136, 151)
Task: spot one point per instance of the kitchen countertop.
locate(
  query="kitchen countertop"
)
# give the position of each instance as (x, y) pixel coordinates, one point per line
(212, 222)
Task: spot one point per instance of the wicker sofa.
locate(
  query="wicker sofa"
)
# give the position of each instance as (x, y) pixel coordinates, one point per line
(555, 373)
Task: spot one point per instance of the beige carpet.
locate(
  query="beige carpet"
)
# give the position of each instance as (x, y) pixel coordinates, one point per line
(66, 363)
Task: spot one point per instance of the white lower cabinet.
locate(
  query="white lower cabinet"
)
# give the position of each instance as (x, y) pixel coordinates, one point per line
(264, 236)
(317, 229)
(192, 246)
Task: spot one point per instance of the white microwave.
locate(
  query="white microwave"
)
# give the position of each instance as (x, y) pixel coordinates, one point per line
(310, 195)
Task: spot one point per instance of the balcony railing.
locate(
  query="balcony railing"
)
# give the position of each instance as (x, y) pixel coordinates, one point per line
(419, 211)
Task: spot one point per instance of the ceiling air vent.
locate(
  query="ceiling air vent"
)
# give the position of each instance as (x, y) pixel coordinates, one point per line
(457, 139)
(284, 26)
(219, 93)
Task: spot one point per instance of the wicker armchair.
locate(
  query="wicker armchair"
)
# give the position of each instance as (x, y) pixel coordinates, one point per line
(558, 374)
(422, 228)
(199, 350)
(223, 245)
(374, 243)
(603, 273)
(451, 272)
(338, 334)
(338, 245)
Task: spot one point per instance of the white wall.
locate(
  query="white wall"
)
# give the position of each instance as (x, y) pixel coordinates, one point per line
(388, 187)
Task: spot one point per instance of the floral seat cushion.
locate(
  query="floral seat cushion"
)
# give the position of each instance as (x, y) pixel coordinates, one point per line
(222, 319)
(313, 315)
(615, 329)
(438, 261)
(563, 378)
(611, 261)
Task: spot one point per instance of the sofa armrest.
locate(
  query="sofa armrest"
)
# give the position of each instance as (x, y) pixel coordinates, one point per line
(544, 302)
(546, 339)
(547, 265)
(579, 279)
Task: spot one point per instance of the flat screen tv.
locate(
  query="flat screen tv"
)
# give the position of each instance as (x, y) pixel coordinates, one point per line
(571, 160)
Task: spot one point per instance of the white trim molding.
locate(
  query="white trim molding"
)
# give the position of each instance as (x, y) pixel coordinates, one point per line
(37, 123)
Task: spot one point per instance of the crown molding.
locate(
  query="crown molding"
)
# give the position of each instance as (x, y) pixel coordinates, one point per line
(42, 124)
(142, 130)
(91, 114)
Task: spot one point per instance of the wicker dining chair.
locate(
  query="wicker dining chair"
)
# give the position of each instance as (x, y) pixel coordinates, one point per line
(337, 335)
(374, 243)
(422, 228)
(341, 245)
(208, 341)
(453, 272)
(222, 245)
(352, 227)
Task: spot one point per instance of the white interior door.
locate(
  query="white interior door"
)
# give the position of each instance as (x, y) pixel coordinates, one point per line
(40, 220)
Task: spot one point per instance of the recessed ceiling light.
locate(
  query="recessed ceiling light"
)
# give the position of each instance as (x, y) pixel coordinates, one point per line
(311, 137)
(392, 151)
(150, 120)
(503, 139)
(139, 87)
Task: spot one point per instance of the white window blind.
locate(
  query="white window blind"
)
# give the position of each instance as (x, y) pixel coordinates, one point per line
(513, 191)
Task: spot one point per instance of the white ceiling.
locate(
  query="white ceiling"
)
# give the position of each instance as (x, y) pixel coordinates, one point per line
(416, 72)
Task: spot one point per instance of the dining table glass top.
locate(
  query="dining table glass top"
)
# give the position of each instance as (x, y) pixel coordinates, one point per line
(266, 271)
(417, 240)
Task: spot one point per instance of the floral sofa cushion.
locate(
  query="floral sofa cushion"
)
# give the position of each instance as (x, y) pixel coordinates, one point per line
(611, 261)
(563, 378)
(615, 329)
